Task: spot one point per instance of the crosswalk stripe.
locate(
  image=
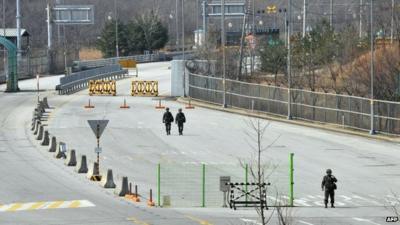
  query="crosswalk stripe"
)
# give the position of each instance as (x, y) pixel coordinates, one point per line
(46, 205)
(74, 204)
(36, 205)
(14, 207)
(55, 204)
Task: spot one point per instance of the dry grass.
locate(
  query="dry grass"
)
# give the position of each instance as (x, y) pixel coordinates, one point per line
(90, 54)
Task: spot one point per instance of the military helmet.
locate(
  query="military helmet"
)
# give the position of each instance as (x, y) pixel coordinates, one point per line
(329, 171)
(167, 109)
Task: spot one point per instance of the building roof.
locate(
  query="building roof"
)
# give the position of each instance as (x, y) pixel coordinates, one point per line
(12, 32)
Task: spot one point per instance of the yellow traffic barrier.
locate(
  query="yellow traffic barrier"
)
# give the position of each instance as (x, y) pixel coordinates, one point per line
(144, 88)
(129, 64)
(102, 87)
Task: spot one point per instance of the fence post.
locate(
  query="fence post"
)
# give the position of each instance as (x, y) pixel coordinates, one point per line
(159, 184)
(291, 180)
(246, 179)
(203, 199)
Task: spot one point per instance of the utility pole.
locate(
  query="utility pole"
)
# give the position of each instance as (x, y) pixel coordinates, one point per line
(18, 17)
(392, 24)
(361, 16)
(331, 14)
(372, 131)
(183, 29)
(289, 60)
(204, 5)
(177, 24)
(4, 18)
(49, 26)
(254, 36)
(183, 48)
(223, 52)
(116, 29)
(304, 17)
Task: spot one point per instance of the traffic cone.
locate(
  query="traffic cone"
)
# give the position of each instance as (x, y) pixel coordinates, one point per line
(189, 106)
(89, 106)
(159, 106)
(124, 106)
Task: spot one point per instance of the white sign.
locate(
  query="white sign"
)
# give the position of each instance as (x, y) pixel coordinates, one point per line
(98, 150)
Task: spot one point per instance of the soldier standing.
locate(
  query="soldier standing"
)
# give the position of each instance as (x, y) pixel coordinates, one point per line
(180, 119)
(329, 186)
(167, 120)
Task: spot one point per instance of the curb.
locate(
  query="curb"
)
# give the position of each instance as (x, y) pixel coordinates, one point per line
(316, 125)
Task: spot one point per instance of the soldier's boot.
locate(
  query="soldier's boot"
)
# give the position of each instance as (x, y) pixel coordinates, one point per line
(332, 205)
(326, 204)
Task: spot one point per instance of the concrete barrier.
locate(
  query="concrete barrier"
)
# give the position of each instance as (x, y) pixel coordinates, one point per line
(71, 158)
(38, 123)
(39, 135)
(46, 138)
(59, 154)
(34, 121)
(45, 103)
(81, 166)
(123, 189)
(94, 173)
(53, 144)
(108, 180)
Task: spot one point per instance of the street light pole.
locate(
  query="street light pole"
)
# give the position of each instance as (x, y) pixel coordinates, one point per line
(18, 17)
(289, 60)
(116, 29)
(223, 52)
(372, 131)
(392, 24)
(177, 25)
(361, 24)
(304, 17)
(331, 13)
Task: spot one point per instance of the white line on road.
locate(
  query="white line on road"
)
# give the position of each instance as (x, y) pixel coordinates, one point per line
(304, 222)
(365, 220)
(253, 222)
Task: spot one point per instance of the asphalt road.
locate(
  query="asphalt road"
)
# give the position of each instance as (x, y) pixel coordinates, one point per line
(134, 143)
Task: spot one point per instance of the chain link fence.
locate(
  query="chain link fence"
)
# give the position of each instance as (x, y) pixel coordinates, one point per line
(30, 64)
(347, 111)
(198, 185)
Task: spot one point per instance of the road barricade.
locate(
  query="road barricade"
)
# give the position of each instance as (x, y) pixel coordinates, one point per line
(144, 88)
(102, 87)
(129, 64)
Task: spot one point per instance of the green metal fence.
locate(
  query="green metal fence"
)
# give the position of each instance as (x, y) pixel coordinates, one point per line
(198, 185)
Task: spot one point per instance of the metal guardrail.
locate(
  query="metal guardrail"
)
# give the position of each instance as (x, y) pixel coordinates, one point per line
(80, 80)
(89, 64)
(347, 111)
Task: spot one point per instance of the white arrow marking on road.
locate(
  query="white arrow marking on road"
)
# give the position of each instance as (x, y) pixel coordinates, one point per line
(365, 220)
(250, 221)
(304, 222)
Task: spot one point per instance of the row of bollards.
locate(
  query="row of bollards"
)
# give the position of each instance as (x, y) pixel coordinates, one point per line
(60, 151)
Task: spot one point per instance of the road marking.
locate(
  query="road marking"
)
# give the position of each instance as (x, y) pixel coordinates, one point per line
(14, 207)
(46, 205)
(36, 205)
(367, 200)
(304, 222)
(200, 221)
(365, 220)
(55, 205)
(250, 221)
(136, 221)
